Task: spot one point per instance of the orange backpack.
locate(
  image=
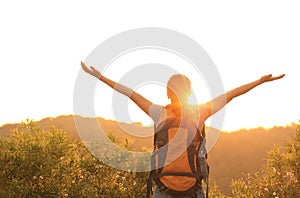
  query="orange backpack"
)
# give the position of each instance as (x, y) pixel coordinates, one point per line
(175, 164)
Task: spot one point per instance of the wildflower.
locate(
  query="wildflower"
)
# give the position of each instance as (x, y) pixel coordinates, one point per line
(278, 173)
(266, 189)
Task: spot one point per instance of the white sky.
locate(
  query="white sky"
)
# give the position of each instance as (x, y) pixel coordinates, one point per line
(43, 42)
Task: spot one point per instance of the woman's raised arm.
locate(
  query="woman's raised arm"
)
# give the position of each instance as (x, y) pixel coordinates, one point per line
(138, 99)
(219, 102)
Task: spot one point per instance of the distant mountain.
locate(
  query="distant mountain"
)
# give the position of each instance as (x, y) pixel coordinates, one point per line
(242, 151)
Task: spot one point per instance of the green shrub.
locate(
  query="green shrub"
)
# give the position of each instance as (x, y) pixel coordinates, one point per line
(280, 178)
(48, 163)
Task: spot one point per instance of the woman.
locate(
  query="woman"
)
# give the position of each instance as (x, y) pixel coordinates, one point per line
(178, 91)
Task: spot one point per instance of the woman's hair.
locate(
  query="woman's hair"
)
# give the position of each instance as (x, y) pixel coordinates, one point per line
(179, 86)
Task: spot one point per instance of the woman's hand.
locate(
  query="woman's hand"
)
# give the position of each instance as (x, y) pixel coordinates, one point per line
(269, 77)
(219, 102)
(92, 71)
(142, 102)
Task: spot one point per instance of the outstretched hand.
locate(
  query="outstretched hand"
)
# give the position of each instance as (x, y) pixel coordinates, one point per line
(92, 71)
(269, 77)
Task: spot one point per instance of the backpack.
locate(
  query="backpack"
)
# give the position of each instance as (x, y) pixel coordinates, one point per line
(176, 166)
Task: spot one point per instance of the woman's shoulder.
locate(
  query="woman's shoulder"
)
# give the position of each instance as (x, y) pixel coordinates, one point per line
(155, 111)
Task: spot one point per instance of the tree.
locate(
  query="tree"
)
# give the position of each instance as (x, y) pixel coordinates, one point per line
(48, 163)
(279, 178)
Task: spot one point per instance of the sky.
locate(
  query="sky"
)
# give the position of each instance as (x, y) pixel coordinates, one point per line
(43, 42)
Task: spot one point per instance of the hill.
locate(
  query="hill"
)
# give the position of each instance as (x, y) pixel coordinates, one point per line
(244, 151)
(234, 153)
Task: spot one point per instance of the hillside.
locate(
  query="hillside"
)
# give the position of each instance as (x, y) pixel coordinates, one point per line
(244, 151)
(234, 153)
